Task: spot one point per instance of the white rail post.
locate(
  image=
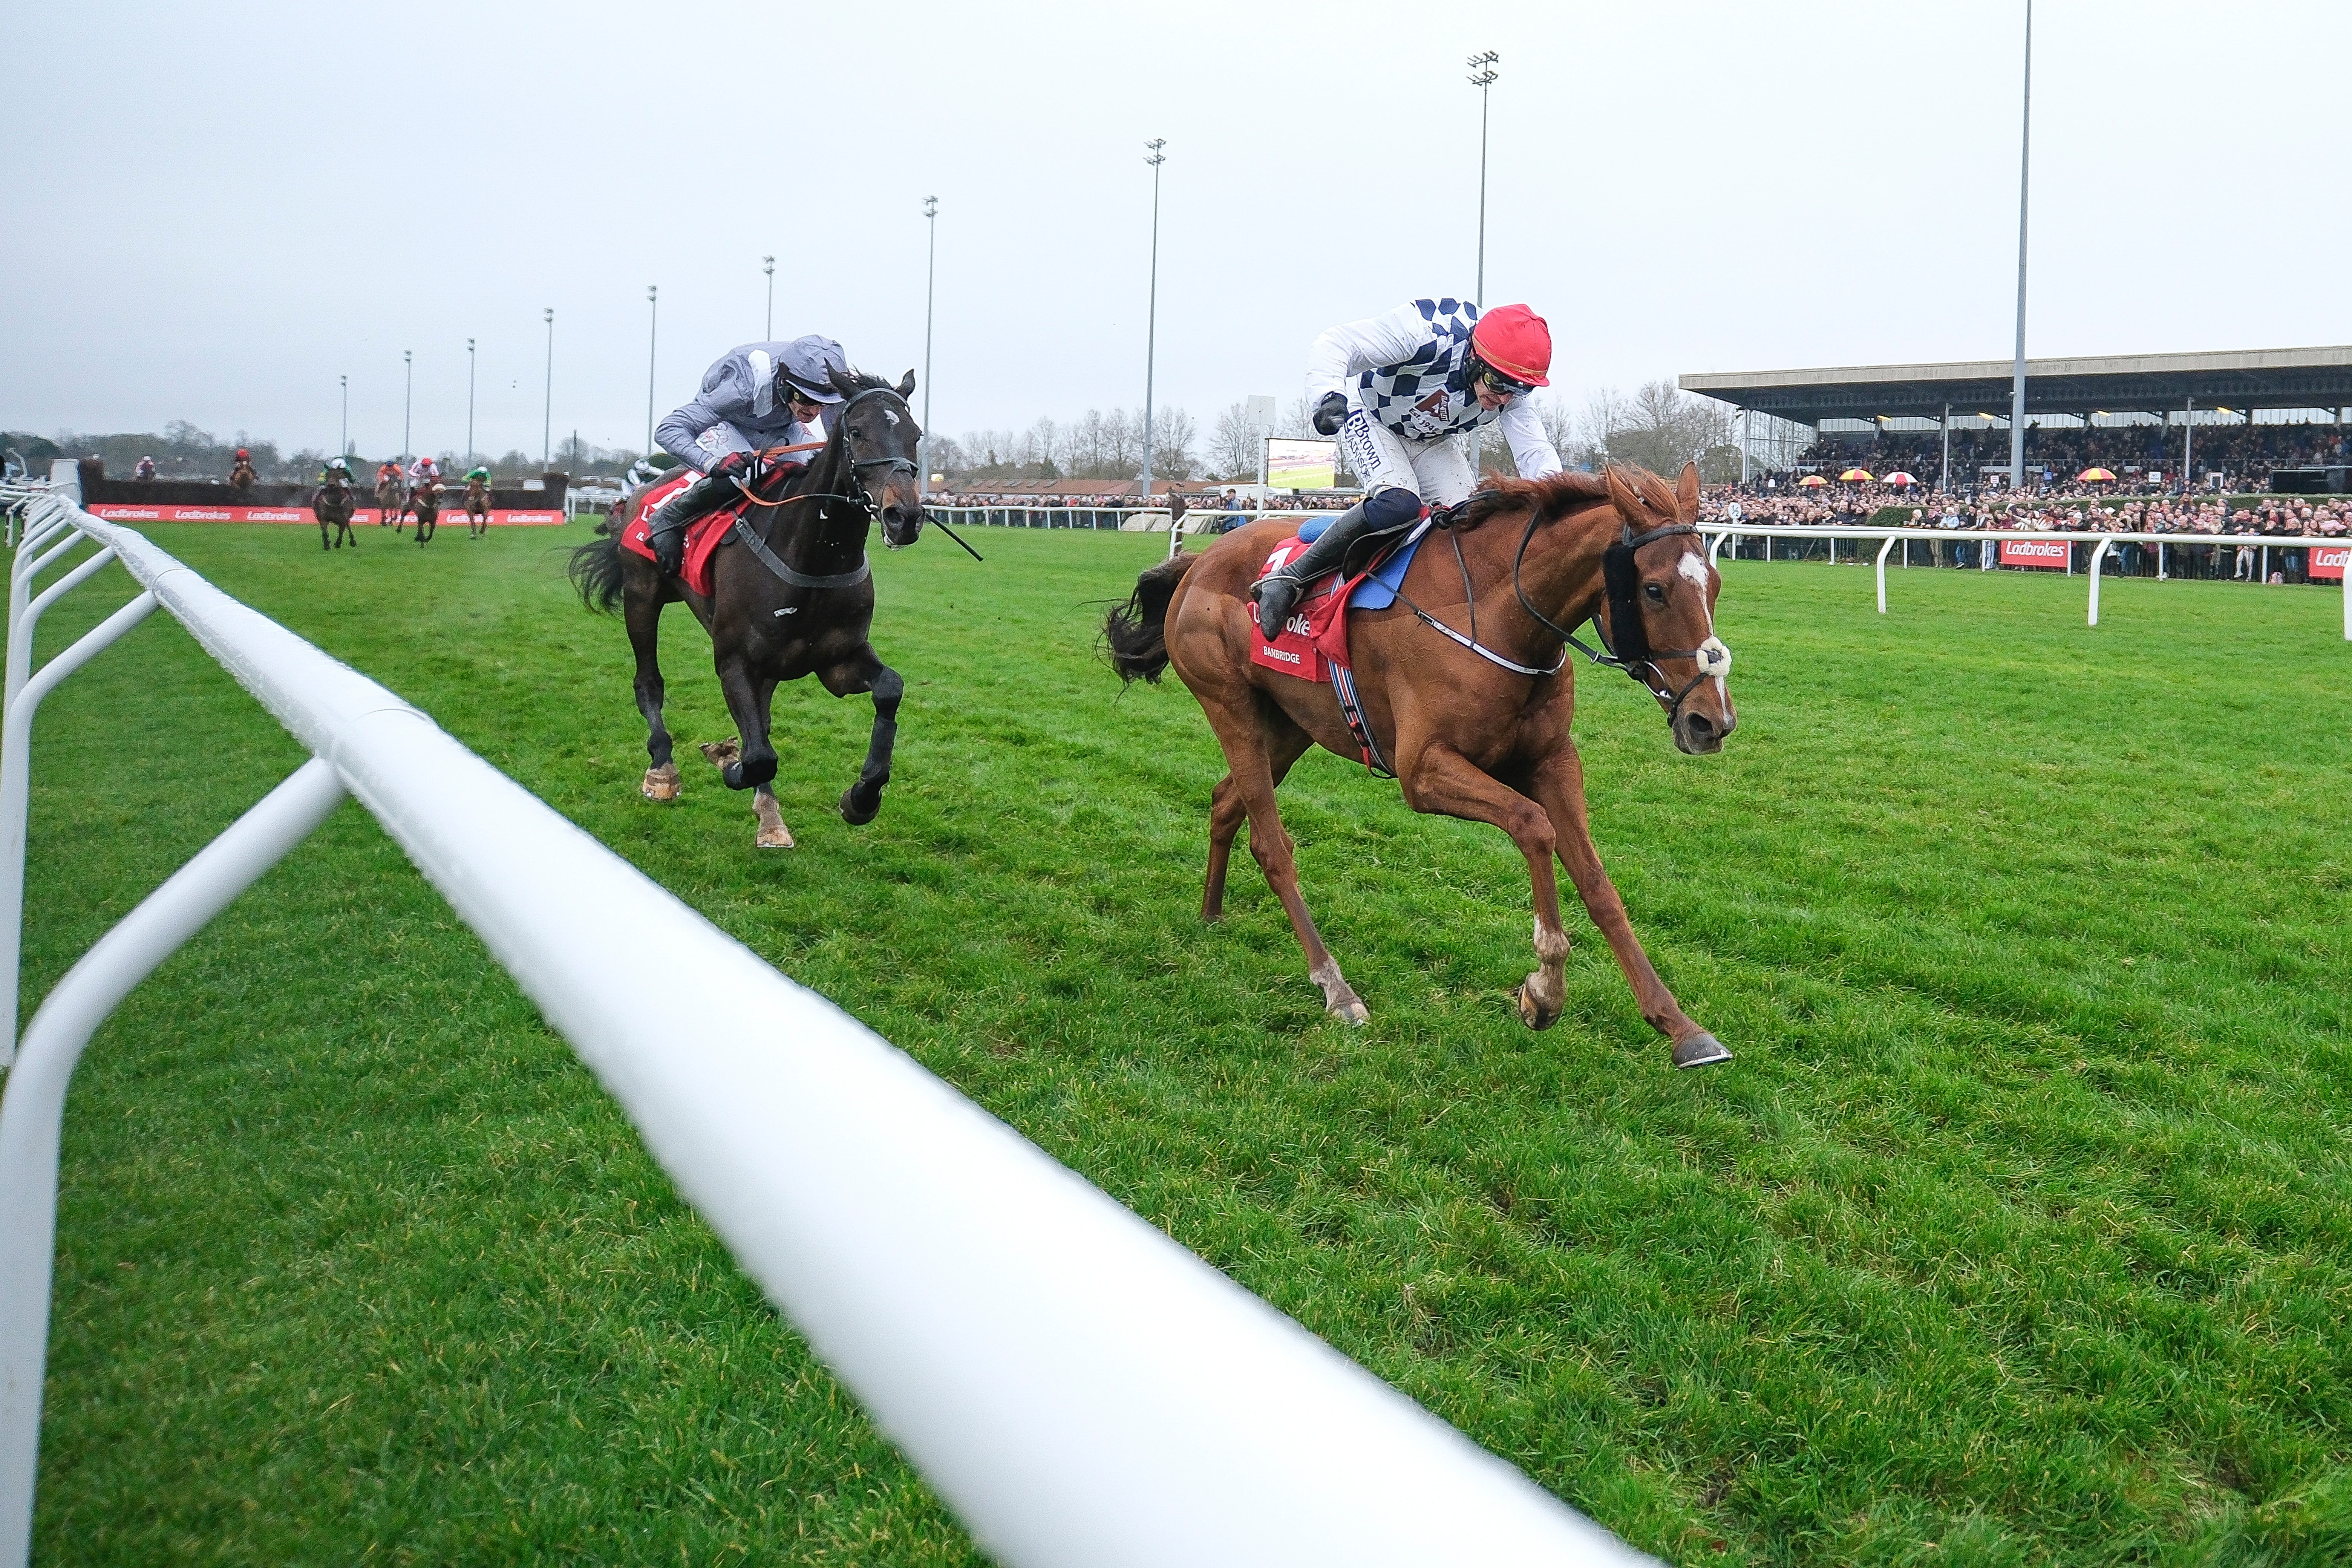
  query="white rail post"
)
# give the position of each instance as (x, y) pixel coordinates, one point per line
(1883, 549)
(33, 1109)
(15, 805)
(2348, 596)
(29, 565)
(2098, 555)
(20, 627)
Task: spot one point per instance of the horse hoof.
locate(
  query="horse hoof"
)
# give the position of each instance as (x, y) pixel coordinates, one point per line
(1351, 1011)
(1700, 1050)
(849, 812)
(1533, 1013)
(719, 754)
(776, 837)
(660, 783)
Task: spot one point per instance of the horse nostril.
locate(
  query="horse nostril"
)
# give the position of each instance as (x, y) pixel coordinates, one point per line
(1701, 726)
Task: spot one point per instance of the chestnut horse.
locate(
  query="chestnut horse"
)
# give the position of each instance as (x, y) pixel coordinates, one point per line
(391, 501)
(425, 500)
(477, 508)
(1466, 691)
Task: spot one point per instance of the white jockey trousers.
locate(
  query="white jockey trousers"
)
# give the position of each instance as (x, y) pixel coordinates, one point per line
(1438, 471)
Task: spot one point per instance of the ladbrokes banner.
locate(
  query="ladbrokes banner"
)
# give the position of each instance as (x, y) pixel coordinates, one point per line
(124, 512)
(2051, 554)
(2327, 561)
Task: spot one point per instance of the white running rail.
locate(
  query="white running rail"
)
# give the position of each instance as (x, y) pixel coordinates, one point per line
(1080, 1389)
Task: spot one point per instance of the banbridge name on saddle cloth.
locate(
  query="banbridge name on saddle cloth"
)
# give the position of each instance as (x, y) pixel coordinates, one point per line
(703, 535)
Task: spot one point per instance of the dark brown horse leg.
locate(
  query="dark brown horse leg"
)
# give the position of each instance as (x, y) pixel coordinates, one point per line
(862, 801)
(1227, 813)
(1444, 782)
(1559, 783)
(641, 610)
(1249, 756)
(747, 697)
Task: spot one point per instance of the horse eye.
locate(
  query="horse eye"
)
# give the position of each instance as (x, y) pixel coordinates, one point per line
(1657, 594)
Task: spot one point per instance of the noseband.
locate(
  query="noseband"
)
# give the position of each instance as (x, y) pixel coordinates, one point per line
(1631, 650)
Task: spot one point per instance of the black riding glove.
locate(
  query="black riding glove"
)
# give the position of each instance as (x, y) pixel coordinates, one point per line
(669, 551)
(733, 464)
(1330, 413)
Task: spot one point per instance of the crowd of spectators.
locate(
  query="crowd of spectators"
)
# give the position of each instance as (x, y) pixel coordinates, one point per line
(1208, 507)
(2245, 454)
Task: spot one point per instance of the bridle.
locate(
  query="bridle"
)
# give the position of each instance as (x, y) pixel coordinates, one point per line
(862, 501)
(1630, 650)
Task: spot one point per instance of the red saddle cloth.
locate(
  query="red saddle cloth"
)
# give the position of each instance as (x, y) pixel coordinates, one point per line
(1315, 637)
(702, 535)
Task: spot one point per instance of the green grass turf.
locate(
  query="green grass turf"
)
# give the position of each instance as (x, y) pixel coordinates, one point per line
(2016, 1234)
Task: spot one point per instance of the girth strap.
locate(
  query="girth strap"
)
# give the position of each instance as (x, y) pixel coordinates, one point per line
(750, 541)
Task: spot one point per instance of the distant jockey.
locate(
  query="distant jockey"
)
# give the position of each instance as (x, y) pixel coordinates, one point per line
(338, 471)
(240, 474)
(479, 471)
(1400, 390)
(423, 471)
(145, 470)
(754, 397)
(386, 472)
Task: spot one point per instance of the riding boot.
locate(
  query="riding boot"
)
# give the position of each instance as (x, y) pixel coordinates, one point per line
(665, 528)
(1277, 592)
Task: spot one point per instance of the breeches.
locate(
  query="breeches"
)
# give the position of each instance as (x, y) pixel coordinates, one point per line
(1437, 471)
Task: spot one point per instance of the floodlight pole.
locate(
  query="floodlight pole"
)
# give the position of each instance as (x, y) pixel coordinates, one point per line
(931, 279)
(470, 403)
(407, 400)
(653, 340)
(1151, 315)
(768, 265)
(547, 414)
(345, 451)
(2025, 168)
(1482, 66)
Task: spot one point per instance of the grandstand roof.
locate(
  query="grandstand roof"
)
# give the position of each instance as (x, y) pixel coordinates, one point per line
(2112, 384)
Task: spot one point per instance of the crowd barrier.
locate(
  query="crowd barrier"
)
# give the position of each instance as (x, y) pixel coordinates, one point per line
(1077, 1387)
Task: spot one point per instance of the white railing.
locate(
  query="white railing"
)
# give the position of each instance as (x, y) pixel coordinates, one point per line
(1079, 1388)
(1719, 530)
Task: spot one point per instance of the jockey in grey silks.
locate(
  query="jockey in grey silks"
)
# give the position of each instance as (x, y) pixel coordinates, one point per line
(756, 396)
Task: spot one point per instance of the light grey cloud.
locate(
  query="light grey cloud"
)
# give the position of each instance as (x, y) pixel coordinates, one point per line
(221, 209)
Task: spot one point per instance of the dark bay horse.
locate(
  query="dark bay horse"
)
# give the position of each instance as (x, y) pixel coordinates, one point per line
(332, 503)
(426, 500)
(1465, 685)
(798, 602)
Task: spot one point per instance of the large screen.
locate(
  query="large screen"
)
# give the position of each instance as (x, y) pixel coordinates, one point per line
(1301, 465)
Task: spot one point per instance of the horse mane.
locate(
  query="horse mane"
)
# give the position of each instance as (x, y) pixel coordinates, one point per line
(1567, 491)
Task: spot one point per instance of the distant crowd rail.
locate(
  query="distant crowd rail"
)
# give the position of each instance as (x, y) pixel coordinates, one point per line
(1079, 1388)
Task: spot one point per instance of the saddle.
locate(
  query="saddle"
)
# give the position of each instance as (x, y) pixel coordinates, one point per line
(703, 535)
(1315, 637)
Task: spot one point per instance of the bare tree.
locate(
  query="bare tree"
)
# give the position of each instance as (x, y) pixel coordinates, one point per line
(1661, 427)
(1173, 431)
(1232, 446)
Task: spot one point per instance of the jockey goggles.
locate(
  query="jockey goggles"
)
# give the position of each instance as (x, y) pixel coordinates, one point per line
(1501, 383)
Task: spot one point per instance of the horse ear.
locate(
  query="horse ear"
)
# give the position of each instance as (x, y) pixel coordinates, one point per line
(906, 383)
(1621, 495)
(845, 385)
(1686, 494)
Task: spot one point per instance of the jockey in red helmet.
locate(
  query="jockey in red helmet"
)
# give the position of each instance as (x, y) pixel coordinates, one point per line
(1398, 389)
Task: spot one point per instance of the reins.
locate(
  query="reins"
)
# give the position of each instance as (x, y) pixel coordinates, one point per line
(863, 500)
(1620, 588)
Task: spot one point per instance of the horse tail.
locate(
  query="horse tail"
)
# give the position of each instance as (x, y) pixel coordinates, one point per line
(596, 571)
(1136, 632)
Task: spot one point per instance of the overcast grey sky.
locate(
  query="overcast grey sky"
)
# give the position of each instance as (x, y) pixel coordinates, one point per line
(221, 208)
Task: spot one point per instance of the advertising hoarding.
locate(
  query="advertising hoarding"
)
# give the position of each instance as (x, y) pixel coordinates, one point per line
(1297, 464)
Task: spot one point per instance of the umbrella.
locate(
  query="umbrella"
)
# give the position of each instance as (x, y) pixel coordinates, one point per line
(1899, 478)
(2090, 475)
(1857, 475)
(1812, 480)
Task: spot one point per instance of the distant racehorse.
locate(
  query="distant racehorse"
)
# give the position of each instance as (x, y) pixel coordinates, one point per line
(790, 594)
(391, 501)
(477, 508)
(1465, 692)
(425, 501)
(332, 503)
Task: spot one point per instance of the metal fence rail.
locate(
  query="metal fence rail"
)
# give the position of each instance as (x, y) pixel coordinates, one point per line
(1081, 1390)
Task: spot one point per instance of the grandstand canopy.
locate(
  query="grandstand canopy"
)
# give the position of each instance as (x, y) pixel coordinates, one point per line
(2114, 383)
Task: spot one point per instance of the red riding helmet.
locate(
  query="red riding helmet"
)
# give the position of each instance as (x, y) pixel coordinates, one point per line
(243, 453)
(1515, 341)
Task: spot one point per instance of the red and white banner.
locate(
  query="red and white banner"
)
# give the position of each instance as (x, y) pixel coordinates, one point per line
(121, 511)
(2050, 554)
(2327, 563)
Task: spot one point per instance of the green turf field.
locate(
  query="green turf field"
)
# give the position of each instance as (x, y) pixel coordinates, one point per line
(2018, 1233)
